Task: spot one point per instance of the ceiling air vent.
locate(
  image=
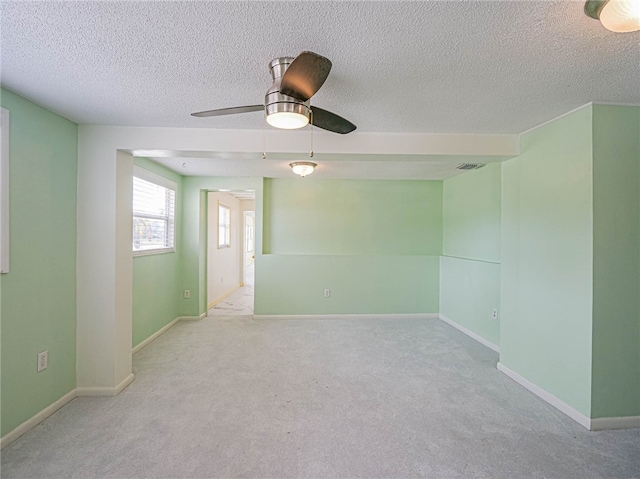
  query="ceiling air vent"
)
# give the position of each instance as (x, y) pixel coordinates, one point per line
(470, 166)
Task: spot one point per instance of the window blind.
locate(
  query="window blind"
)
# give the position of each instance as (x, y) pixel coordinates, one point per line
(153, 216)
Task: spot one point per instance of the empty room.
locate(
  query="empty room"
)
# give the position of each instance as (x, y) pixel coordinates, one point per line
(318, 239)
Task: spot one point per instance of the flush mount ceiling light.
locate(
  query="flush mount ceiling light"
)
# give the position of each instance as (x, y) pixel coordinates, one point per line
(620, 16)
(303, 168)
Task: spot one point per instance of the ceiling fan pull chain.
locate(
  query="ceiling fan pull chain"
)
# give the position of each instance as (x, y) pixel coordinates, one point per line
(264, 142)
(311, 122)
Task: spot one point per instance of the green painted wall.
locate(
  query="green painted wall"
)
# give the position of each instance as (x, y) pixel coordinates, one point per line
(39, 294)
(471, 214)
(382, 284)
(352, 217)
(374, 243)
(156, 278)
(616, 280)
(547, 262)
(470, 265)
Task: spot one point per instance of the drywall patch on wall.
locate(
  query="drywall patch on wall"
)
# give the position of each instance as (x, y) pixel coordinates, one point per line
(39, 294)
(546, 269)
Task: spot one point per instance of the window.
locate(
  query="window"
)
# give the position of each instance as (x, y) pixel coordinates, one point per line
(224, 226)
(154, 200)
(249, 222)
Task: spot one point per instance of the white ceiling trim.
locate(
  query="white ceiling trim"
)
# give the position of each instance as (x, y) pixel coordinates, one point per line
(212, 152)
(356, 156)
(144, 141)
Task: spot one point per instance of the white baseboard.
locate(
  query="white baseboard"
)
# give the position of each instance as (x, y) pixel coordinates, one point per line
(64, 400)
(625, 422)
(193, 318)
(155, 335)
(223, 296)
(124, 383)
(37, 419)
(346, 316)
(164, 329)
(470, 333)
(106, 391)
(546, 396)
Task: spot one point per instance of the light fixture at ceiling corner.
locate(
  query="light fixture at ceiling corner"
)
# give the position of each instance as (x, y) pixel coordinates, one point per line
(620, 16)
(303, 168)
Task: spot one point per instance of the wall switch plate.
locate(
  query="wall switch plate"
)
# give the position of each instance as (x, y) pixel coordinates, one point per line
(327, 293)
(43, 360)
(494, 315)
(187, 294)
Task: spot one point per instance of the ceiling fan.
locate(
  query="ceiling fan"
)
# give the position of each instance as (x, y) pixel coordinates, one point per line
(287, 102)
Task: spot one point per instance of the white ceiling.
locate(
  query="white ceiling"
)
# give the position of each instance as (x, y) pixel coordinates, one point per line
(425, 67)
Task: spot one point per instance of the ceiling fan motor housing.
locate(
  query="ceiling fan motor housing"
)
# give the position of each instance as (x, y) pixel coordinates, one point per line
(276, 102)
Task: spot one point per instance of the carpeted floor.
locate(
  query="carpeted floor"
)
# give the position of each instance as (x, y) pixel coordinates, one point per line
(233, 397)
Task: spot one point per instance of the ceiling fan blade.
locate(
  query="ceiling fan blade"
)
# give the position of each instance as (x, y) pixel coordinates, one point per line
(305, 75)
(228, 111)
(331, 122)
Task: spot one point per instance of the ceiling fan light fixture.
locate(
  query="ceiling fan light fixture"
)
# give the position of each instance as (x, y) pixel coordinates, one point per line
(303, 168)
(288, 115)
(620, 16)
(287, 120)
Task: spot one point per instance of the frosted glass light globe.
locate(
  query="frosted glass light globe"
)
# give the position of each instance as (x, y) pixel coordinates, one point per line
(303, 168)
(287, 120)
(621, 16)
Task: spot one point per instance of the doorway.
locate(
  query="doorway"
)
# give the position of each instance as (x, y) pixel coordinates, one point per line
(230, 252)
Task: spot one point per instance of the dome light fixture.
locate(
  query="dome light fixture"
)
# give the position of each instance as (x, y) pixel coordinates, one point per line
(620, 16)
(303, 168)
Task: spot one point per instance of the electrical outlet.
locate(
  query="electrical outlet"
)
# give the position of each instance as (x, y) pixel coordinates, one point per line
(43, 360)
(327, 293)
(494, 315)
(187, 294)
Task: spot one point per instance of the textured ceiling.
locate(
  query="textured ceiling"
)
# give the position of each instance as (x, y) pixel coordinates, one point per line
(431, 66)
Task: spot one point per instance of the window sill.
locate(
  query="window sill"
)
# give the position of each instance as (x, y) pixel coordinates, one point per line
(149, 252)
